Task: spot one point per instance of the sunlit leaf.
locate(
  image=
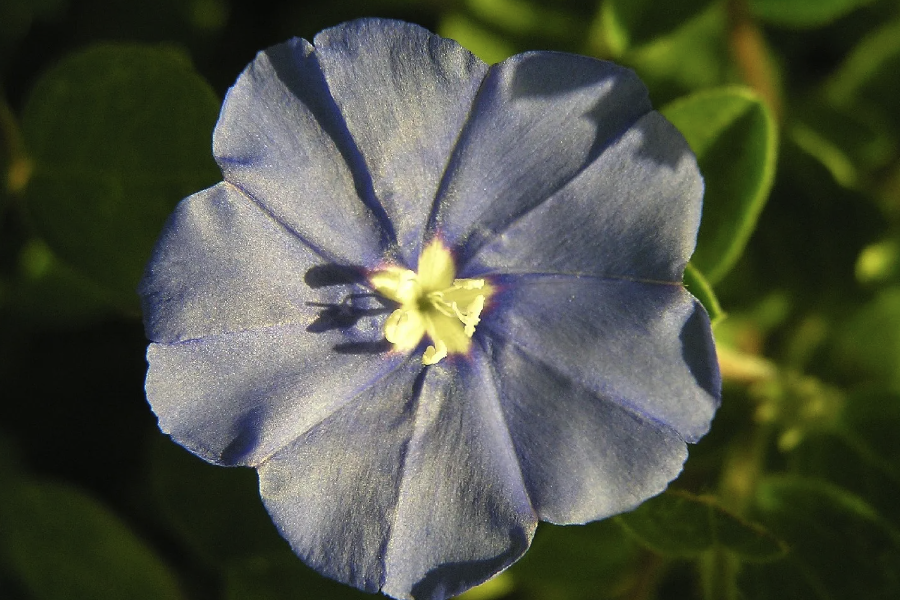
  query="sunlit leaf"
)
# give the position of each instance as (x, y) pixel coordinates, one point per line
(735, 139)
(483, 43)
(118, 134)
(697, 285)
(63, 544)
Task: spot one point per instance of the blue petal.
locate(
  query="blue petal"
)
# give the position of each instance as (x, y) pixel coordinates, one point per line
(238, 398)
(404, 94)
(432, 500)
(539, 119)
(633, 213)
(584, 457)
(222, 264)
(281, 139)
(647, 347)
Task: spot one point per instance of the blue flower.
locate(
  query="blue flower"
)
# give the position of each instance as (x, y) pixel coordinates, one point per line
(433, 302)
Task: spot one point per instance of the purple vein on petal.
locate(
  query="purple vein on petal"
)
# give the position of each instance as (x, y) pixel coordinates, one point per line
(599, 393)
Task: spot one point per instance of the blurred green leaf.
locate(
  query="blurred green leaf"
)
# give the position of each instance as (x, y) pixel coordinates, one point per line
(63, 544)
(841, 548)
(282, 576)
(119, 134)
(694, 56)
(869, 342)
(848, 142)
(677, 523)
(879, 262)
(867, 81)
(735, 139)
(520, 16)
(628, 23)
(48, 293)
(861, 453)
(483, 43)
(217, 512)
(697, 285)
(803, 13)
(17, 16)
(597, 560)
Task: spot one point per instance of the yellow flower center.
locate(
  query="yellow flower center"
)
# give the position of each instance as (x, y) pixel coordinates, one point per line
(432, 302)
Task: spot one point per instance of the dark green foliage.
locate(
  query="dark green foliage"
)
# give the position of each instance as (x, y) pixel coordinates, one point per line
(793, 110)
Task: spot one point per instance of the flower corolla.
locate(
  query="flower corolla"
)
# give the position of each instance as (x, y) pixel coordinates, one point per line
(433, 302)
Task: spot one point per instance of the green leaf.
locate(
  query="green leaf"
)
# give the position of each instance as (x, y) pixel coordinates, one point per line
(735, 139)
(628, 23)
(803, 13)
(282, 576)
(677, 523)
(694, 56)
(119, 134)
(48, 293)
(841, 548)
(869, 342)
(62, 544)
(483, 43)
(216, 512)
(866, 83)
(697, 285)
(587, 562)
(861, 453)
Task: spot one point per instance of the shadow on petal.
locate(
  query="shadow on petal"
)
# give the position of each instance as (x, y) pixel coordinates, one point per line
(301, 73)
(699, 351)
(451, 579)
(346, 314)
(363, 347)
(246, 437)
(328, 275)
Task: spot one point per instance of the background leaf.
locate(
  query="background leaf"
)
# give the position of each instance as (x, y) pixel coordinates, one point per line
(734, 136)
(803, 13)
(677, 523)
(697, 285)
(840, 548)
(62, 544)
(118, 135)
(628, 23)
(216, 512)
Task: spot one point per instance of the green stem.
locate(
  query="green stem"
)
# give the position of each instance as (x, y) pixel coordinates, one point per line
(751, 56)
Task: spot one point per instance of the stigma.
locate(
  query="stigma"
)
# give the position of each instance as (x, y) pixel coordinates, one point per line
(433, 303)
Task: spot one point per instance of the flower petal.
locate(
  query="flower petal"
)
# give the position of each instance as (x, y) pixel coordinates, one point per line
(332, 491)
(432, 500)
(633, 213)
(583, 456)
(404, 94)
(463, 514)
(222, 264)
(648, 347)
(539, 119)
(282, 141)
(238, 398)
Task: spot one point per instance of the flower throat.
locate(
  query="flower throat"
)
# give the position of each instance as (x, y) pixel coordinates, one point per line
(433, 303)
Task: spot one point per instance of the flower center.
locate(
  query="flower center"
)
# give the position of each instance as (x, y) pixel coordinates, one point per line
(432, 302)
